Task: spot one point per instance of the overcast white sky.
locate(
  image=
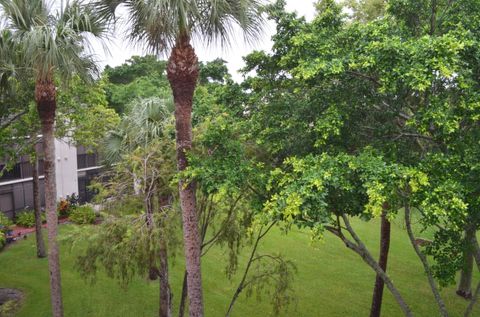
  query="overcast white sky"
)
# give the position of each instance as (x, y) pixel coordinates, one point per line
(120, 50)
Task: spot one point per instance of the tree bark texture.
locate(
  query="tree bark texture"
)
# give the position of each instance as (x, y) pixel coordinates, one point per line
(423, 259)
(476, 294)
(183, 299)
(465, 284)
(360, 248)
(377, 297)
(45, 94)
(182, 72)
(165, 308)
(41, 251)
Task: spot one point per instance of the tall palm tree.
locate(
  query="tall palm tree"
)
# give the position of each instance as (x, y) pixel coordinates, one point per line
(169, 26)
(51, 42)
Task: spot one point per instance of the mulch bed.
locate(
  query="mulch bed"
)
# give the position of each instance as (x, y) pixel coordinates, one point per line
(10, 301)
(19, 232)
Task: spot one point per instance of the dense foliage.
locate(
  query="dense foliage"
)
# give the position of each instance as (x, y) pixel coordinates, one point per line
(364, 113)
(83, 215)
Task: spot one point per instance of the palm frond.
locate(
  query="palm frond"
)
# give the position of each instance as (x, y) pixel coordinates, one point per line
(21, 15)
(144, 123)
(158, 24)
(53, 41)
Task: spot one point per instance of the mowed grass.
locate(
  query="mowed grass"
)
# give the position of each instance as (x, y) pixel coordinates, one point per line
(331, 281)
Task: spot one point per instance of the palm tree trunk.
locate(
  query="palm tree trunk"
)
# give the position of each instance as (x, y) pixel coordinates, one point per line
(45, 93)
(465, 285)
(41, 253)
(182, 72)
(377, 297)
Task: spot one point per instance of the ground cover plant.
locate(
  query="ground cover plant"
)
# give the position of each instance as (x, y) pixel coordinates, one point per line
(83, 215)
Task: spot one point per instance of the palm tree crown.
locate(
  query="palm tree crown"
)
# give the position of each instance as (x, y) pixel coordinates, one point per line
(161, 24)
(169, 26)
(52, 41)
(43, 43)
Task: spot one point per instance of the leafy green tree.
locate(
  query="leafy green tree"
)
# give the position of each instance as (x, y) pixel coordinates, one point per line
(366, 10)
(215, 71)
(224, 167)
(401, 84)
(50, 43)
(138, 77)
(140, 152)
(165, 26)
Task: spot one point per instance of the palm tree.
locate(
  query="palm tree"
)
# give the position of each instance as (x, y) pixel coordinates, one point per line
(13, 99)
(139, 134)
(169, 26)
(51, 44)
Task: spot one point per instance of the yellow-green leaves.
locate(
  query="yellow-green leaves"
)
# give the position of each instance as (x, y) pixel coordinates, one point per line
(311, 191)
(292, 206)
(376, 198)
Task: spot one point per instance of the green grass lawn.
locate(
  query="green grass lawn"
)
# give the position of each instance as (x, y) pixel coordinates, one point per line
(331, 281)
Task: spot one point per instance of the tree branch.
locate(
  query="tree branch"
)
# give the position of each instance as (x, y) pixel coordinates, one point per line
(423, 259)
(8, 122)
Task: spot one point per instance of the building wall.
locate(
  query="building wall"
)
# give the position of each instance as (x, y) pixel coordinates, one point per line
(71, 167)
(65, 169)
(18, 195)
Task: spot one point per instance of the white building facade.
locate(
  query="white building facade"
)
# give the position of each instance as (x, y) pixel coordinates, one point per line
(74, 168)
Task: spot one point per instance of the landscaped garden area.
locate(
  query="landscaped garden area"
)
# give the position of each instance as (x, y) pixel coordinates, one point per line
(335, 172)
(331, 281)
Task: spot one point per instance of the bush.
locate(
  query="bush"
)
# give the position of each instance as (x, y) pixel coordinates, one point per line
(5, 223)
(83, 214)
(3, 240)
(26, 219)
(73, 199)
(63, 208)
(9, 308)
(66, 206)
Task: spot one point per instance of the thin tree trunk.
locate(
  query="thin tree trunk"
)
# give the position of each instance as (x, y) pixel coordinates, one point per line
(476, 294)
(472, 303)
(165, 308)
(377, 297)
(183, 299)
(242, 283)
(465, 285)
(45, 93)
(41, 251)
(360, 248)
(182, 72)
(423, 259)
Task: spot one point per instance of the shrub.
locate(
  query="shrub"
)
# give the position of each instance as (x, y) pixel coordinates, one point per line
(5, 223)
(9, 308)
(72, 199)
(3, 240)
(63, 208)
(26, 219)
(83, 214)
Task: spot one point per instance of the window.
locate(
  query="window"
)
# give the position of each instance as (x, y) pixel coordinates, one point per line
(86, 160)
